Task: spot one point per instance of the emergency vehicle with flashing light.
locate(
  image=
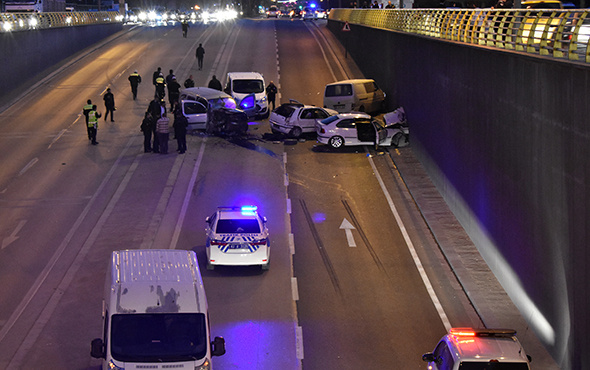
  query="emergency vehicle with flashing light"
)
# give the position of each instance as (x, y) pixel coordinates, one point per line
(478, 349)
(248, 89)
(237, 236)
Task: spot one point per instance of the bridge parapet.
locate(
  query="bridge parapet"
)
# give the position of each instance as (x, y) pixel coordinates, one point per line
(14, 22)
(562, 34)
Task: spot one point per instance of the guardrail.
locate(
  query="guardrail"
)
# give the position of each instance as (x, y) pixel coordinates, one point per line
(563, 34)
(14, 22)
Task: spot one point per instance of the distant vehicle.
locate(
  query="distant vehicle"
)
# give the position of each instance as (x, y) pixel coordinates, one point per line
(478, 349)
(321, 13)
(349, 129)
(295, 13)
(361, 95)
(248, 89)
(34, 6)
(542, 4)
(154, 313)
(294, 118)
(308, 14)
(273, 12)
(237, 236)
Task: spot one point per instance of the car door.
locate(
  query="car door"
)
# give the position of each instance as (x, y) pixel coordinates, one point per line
(196, 114)
(347, 129)
(366, 131)
(308, 118)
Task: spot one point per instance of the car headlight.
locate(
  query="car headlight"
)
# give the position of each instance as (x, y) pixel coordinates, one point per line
(112, 366)
(205, 366)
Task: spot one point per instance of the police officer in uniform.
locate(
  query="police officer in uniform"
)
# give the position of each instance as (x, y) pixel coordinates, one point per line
(160, 87)
(86, 109)
(93, 117)
(134, 80)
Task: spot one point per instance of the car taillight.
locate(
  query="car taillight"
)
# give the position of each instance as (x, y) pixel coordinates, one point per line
(259, 242)
(215, 242)
(322, 131)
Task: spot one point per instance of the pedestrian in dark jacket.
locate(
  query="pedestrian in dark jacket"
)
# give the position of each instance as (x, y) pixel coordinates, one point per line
(109, 104)
(200, 53)
(147, 127)
(173, 92)
(134, 80)
(271, 93)
(185, 27)
(215, 84)
(189, 82)
(180, 125)
(155, 111)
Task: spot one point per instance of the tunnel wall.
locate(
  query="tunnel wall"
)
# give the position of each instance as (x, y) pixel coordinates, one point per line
(25, 55)
(506, 136)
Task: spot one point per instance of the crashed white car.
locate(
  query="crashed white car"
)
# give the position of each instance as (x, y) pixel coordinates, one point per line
(237, 236)
(347, 129)
(294, 118)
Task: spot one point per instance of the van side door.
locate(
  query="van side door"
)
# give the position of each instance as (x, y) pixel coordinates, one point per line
(196, 114)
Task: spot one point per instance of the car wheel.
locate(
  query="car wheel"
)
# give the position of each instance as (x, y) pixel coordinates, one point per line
(362, 108)
(210, 267)
(336, 142)
(266, 266)
(296, 132)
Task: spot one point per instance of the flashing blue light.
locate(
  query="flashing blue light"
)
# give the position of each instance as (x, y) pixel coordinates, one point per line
(247, 102)
(249, 210)
(312, 5)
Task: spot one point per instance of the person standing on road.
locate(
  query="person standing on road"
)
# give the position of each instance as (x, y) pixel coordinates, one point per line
(160, 87)
(173, 92)
(185, 27)
(147, 129)
(189, 82)
(163, 129)
(93, 117)
(134, 80)
(109, 104)
(215, 84)
(271, 93)
(86, 109)
(200, 54)
(155, 112)
(180, 125)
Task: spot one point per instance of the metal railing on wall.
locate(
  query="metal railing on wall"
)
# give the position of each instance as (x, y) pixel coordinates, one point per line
(14, 22)
(563, 34)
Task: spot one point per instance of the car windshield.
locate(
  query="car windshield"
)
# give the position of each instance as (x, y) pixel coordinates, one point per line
(229, 103)
(493, 366)
(329, 120)
(247, 226)
(158, 337)
(285, 110)
(248, 86)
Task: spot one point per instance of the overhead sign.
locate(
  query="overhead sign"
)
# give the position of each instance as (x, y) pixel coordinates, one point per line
(346, 27)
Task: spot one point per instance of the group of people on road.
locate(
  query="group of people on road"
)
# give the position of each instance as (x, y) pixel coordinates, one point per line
(156, 124)
(91, 114)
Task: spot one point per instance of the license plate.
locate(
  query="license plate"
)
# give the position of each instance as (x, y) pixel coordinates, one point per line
(338, 106)
(235, 246)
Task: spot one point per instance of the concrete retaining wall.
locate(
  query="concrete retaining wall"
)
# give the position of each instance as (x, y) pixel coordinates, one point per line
(510, 134)
(27, 54)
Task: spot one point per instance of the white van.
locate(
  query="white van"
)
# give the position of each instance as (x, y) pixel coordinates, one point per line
(154, 313)
(249, 91)
(362, 95)
(197, 101)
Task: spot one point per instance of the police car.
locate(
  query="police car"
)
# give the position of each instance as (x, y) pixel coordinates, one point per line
(478, 349)
(237, 236)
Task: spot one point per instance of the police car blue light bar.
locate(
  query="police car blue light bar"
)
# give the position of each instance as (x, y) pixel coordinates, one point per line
(248, 210)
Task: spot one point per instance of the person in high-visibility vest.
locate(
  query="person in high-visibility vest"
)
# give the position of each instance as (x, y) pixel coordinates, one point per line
(93, 117)
(86, 109)
(160, 85)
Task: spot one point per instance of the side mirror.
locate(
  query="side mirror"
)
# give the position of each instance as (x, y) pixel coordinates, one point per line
(218, 346)
(97, 349)
(428, 357)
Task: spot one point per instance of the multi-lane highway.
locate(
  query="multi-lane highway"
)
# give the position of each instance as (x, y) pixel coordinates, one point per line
(356, 279)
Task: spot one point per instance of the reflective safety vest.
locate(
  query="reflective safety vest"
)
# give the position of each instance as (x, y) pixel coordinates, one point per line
(92, 119)
(87, 108)
(160, 80)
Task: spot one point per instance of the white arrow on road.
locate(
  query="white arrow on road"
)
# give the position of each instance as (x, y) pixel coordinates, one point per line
(12, 237)
(347, 226)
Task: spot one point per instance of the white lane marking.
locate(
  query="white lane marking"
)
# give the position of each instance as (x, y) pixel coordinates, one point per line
(294, 289)
(291, 243)
(44, 317)
(187, 197)
(12, 237)
(59, 135)
(288, 206)
(28, 166)
(299, 340)
(417, 262)
(347, 226)
(324, 54)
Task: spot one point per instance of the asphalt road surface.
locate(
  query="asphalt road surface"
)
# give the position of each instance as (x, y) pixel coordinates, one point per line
(356, 279)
